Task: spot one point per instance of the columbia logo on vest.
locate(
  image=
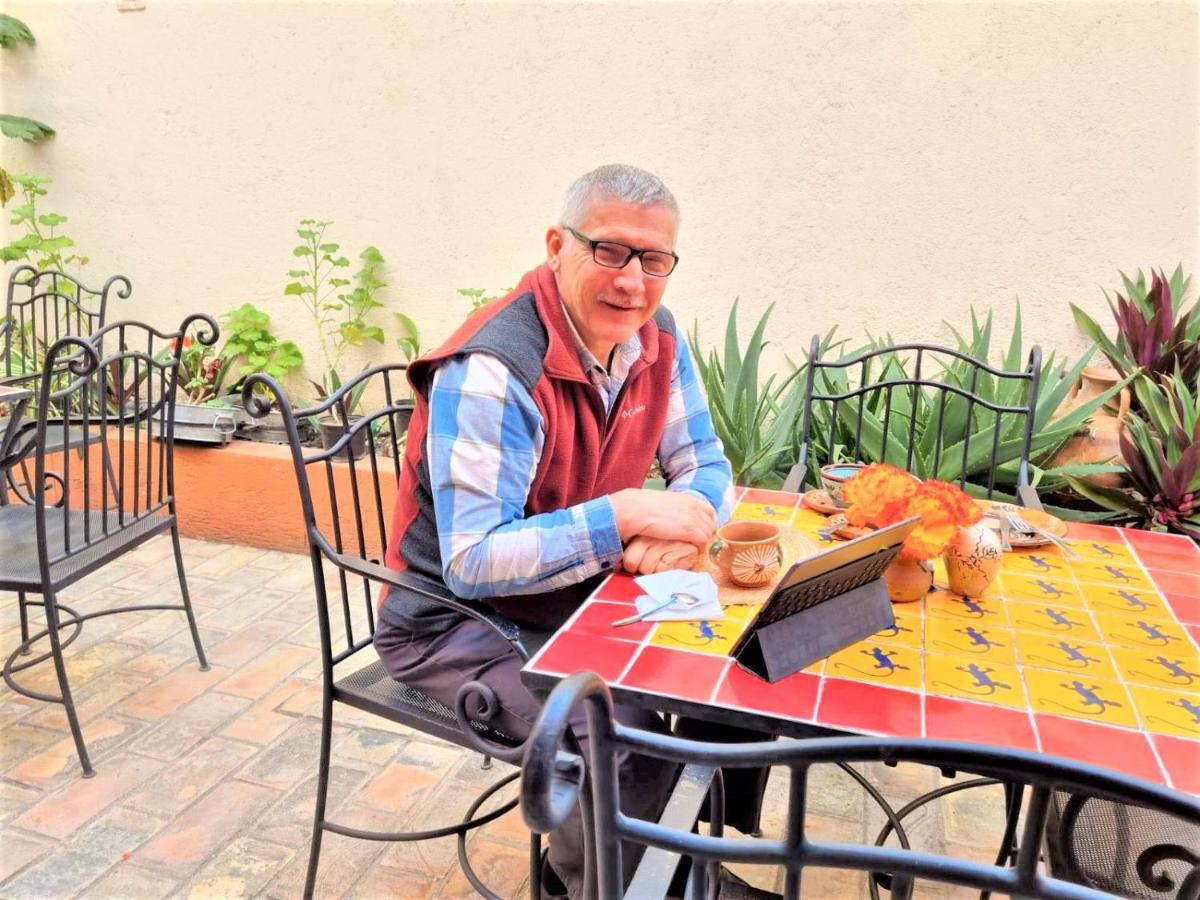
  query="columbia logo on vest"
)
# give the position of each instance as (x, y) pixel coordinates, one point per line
(630, 413)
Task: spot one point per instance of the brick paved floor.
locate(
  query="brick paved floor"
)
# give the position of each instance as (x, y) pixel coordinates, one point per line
(205, 780)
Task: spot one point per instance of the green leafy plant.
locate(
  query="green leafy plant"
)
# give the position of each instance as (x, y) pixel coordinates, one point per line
(1155, 334)
(409, 339)
(13, 33)
(340, 317)
(1161, 448)
(207, 375)
(754, 421)
(964, 429)
(41, 244)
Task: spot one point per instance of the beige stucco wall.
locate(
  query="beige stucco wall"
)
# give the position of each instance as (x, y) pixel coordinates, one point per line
(878, 166)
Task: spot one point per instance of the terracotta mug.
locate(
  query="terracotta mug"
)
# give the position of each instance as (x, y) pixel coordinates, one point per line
(748, 553)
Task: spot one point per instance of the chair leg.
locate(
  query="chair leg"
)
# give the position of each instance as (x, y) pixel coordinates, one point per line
(24, 612)
(187, 600)
(51, 607)
(314, 852)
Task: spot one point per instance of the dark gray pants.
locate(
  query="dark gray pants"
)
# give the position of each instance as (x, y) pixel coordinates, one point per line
(439, 664)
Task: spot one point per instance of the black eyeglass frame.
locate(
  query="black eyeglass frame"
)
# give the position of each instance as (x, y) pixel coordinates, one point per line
(592, 243)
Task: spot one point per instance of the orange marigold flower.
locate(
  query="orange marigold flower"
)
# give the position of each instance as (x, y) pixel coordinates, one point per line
(878, 495)
(964, 510)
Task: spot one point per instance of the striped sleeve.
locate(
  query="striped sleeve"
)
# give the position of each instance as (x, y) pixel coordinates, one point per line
(485, 440)
(690, 452)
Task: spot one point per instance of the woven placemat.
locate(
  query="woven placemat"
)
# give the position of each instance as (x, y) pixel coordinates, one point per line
(796, 546)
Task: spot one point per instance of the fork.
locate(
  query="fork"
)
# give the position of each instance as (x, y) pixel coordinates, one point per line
(1025, 528)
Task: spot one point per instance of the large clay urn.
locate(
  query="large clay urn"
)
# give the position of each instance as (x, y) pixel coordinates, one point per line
(1099, 440)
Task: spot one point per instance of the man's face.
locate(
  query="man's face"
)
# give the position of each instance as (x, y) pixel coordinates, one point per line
(606, 305)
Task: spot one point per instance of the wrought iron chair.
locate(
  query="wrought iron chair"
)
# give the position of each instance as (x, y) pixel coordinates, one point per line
(345, 499)
(41, 307)
(97, 496)
(554, 779)
(870, 414)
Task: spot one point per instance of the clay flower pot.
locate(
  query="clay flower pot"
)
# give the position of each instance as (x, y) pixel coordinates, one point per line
(1100, 440)
(972, 560)
(908, 580)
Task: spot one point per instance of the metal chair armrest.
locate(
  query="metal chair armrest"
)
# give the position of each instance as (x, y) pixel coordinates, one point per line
(431, 590)
(795, 478)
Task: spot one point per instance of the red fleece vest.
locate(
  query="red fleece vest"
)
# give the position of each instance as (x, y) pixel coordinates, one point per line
(586, 454)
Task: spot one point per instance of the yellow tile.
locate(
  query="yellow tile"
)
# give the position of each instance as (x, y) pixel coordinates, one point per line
(1040, 563)
(974, 679)
(715, 637)
(1052, 618)
(1102, 552)
(1165, 669)
(907, 631)
(1125, 574)
(1080, 696)
(974, 640)
(870, 661)
(1146, 631)
(948, 605)
(1168, 712)
(763, 512)
(808, 521)
(1039, 589)
(1043, 651)
(1106, 599)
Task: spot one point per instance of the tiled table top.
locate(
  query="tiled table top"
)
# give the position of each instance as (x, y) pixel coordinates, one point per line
(1092, 659)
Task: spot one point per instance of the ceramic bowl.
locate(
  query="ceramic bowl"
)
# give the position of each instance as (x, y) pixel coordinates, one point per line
(834, 477)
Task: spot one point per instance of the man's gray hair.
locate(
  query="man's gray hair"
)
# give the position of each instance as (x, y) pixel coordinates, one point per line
(615, 182)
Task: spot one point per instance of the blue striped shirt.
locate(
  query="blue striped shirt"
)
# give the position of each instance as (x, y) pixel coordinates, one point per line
(485, 441)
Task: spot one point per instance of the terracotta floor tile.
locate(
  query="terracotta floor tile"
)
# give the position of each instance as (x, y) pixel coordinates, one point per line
(61, 813)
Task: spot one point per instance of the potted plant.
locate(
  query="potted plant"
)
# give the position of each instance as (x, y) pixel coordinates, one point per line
(340, 318)
(208, 408)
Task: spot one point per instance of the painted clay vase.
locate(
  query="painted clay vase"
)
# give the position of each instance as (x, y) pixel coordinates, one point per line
(972, 560)
(908, 580)
(1100, 440)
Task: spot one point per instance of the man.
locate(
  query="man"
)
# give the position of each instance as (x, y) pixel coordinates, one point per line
(534, 428)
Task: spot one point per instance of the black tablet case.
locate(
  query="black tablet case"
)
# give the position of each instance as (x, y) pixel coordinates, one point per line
(810, 619)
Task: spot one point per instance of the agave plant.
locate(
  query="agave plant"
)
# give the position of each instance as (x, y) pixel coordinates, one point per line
(1162, 454)
(1154, 333)
(754, 421)
(963, 451)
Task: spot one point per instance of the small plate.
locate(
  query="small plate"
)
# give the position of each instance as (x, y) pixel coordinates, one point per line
(819, 501)
(1052, 524)
(842, 528)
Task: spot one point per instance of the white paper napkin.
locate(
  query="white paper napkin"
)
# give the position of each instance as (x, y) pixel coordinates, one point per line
(661, 585)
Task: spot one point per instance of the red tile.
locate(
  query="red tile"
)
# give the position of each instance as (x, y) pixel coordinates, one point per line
(869, 707)
(1174, 559)
(794, 696)
(1182, 760)
(1186, 609)
(596, 619)
(568, 653)
(1081, 531)
(1158, 541)
(676, 673)
(1127, 752)
(960, 720)
(621, 588)
(1187, 583)
(1194, 631)
(775, 498)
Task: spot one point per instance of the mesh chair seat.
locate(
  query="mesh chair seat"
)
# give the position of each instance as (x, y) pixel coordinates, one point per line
(1102, 847)
(374, 690)
(19, 567)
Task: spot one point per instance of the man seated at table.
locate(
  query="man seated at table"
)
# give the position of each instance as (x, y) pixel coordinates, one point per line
(535, 426)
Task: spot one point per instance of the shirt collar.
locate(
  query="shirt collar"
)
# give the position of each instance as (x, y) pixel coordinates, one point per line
(623, 356)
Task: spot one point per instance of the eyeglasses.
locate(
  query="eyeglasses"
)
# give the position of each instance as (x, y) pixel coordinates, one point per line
(612, 255)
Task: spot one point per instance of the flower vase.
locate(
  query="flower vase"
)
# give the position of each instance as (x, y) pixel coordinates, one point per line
(972, 560)
(908, 580)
